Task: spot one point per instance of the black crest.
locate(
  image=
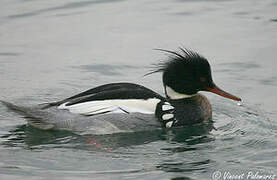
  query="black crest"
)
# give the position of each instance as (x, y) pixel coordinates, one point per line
(185, 71)
(185, 57)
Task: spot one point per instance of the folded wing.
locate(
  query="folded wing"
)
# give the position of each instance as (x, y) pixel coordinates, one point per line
(113, 98)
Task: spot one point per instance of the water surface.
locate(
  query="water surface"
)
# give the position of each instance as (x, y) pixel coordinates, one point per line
(50, 50)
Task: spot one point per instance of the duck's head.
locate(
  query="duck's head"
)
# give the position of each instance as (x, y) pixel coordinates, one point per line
(186, 73)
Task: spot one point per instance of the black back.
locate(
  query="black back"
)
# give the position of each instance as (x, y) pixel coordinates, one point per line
(112, 91)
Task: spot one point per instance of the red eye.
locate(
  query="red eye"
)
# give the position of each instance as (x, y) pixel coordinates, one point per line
(202, 79)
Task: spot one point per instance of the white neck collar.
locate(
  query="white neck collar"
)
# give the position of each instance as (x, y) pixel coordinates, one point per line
(175, 95)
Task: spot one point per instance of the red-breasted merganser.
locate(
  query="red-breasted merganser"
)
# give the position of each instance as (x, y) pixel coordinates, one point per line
(125, 107)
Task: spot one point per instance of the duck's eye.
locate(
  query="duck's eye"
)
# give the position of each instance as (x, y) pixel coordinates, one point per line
(202, 79)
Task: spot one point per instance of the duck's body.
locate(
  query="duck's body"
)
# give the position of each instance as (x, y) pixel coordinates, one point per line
(101, 110)
(53, 118)
(127, 107)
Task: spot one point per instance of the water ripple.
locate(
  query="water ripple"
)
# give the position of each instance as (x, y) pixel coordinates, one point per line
(71, 5)
(105, 69)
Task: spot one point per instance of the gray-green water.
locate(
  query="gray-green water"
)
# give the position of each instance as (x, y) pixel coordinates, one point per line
(50, 50)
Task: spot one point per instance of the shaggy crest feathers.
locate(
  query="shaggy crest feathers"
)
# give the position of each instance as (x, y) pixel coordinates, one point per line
(178, 58)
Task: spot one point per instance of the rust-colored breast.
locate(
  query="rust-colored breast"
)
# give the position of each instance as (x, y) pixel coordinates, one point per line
(192, 110)
(205, 106)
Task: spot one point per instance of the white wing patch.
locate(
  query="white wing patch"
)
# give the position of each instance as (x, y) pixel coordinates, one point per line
(113, 106)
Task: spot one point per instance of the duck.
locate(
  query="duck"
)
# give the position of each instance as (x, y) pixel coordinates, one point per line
(128, 107)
